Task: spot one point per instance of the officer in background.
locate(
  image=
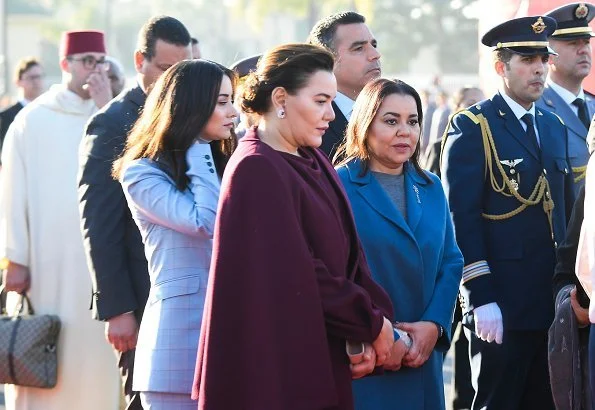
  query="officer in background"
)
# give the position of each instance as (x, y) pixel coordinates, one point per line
(508, 180)
(564, 94)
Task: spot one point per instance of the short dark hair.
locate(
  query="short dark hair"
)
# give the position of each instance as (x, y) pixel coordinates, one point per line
(164, 28)
(323, 32)
(504, 55)
(365, 110)
(176, 111)
(194, 40)
(289, 66)
(25, 65)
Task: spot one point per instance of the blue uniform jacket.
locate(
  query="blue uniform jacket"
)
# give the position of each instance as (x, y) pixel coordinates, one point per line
(578, 152)
(520, 250)
(419, 265)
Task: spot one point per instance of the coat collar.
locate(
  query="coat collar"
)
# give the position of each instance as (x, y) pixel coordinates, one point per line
(557, 104)
(513, 125)
(373, 193)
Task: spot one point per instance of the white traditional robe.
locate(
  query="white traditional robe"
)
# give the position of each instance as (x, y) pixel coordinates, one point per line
(39, 228)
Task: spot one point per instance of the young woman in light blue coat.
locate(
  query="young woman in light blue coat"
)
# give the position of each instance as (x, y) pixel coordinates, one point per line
(404, 224)
(170, 174)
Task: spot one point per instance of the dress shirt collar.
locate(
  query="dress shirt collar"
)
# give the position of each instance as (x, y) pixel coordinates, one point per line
(345, 104)
(566, 95)
(517, 109)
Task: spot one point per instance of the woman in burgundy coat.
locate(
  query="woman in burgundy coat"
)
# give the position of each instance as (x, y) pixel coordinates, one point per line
(288, 283)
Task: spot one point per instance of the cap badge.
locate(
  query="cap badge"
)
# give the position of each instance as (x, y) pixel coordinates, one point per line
(539, 26)
(581, 11)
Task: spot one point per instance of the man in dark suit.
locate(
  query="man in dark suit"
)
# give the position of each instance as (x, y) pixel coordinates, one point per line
(357, 61)
(28, 78)
(113, 244)
(508, 180)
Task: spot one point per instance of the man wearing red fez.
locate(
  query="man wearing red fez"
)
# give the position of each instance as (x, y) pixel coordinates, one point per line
(40, 241)
(113, 244)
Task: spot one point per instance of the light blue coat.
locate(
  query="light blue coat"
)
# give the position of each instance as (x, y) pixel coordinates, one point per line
(419, 264)
(177, 230)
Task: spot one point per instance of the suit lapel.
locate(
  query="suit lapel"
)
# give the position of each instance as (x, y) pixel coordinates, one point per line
(513, 125)
(559, 106)
(339, 124)
(545, 136)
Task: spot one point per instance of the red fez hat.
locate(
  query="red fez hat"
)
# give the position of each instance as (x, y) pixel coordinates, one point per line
(88, 41)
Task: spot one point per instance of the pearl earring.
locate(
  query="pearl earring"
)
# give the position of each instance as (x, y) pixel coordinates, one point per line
(281, 113)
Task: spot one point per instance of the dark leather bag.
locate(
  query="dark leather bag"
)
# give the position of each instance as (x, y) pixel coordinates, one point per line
(28, 345)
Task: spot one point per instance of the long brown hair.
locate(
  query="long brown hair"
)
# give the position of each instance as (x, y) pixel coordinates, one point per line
(364, 111)
(176, 111)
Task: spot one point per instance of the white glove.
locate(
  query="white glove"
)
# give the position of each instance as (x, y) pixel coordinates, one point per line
(488, 323)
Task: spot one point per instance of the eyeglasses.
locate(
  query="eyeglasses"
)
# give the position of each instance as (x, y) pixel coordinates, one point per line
(89, 62)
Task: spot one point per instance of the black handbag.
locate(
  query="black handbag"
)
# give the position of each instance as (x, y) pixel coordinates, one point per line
(28, 345)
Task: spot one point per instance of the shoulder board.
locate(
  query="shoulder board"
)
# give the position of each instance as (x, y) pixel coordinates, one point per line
(469, 115)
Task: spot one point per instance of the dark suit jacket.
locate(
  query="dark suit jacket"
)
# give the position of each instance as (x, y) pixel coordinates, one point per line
(6, 118)
(519, 250)
(113, 244)
(432, 158)
(564, 274)
(333, 137)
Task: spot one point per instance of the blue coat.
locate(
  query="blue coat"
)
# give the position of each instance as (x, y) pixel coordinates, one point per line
(520, 250)
(578, 152)
(419, 265)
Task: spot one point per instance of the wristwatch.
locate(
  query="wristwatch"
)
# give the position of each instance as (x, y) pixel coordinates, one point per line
(402, 335)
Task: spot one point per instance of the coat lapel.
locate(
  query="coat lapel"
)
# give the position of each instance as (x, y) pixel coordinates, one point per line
(513, 125)
(375, 196)
(559, 106)
(415, 191)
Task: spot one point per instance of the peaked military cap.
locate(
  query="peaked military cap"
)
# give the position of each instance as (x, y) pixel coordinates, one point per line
(573, 21)
(525, 35)
(245, 66)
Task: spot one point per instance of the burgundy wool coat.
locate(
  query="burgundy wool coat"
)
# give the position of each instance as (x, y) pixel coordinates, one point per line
(288, 285)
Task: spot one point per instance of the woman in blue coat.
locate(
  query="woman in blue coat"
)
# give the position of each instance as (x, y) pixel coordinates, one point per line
(403, 220)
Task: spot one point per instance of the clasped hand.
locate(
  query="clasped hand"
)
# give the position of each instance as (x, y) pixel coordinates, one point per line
(385, 351)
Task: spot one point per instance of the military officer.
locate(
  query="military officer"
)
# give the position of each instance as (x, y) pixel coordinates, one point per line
(564, 94)
(509, 183)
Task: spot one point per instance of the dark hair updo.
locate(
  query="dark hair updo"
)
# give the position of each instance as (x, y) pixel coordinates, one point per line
(289, 66)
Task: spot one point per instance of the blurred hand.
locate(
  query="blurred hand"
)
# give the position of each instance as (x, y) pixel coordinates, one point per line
(424, 336)
(121, 332)
(384, 342)
(99, 88)
(362, 365)
(16, 278)
(398, 351)
(488, 323)
(582, 314)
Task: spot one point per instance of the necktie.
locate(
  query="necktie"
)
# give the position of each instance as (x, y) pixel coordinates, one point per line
(582, 111)
(528, 119)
